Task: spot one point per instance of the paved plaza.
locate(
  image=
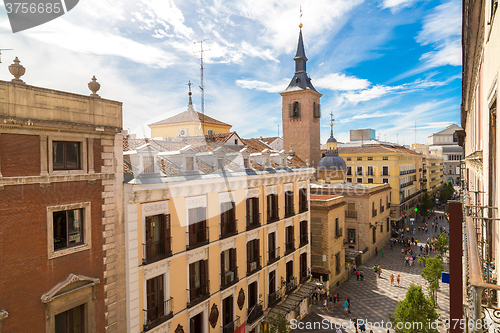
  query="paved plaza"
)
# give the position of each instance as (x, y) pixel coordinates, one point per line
(374, 298)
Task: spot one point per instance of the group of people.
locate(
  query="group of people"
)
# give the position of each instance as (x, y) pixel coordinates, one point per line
(398, 279)
(377, 270)
(332, 301)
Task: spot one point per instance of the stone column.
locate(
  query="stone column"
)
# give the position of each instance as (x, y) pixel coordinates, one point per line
(43, 155)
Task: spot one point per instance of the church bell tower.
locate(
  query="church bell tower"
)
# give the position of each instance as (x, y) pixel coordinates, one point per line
(301, 112)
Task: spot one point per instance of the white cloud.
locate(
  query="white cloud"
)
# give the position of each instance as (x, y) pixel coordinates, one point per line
(368, 94)
(448, 54)
(341, 82)
(396, 5)
(263, 86)
(377, 114)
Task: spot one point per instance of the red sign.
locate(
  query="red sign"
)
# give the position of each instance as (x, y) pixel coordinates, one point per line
(241, 329)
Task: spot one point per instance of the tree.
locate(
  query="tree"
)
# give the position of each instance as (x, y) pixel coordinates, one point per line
(426, 205)
(277, 323)
(440, 243)
(415, 309)
(433, 267)
(446, 192)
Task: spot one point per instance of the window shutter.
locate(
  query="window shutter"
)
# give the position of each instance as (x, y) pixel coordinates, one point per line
(166, 232)
(248, 255)
(275, 206)
(149, 234)
(248, 207)
(203, 217)
(257, 251)
(192, 226)
(319, 110)
(232, 258)
(222, 269)
(269, 207)
(161, 296)
(222, 217)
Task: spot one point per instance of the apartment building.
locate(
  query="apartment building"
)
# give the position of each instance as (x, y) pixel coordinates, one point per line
(433, 170)
(61, 237)
(366, 223)
(452, 153)
(397, 166)
(217, 235)
(480, 169)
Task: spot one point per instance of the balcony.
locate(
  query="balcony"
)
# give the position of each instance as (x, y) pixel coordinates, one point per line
(303, 206)
(289, 247)
(374, 212)
(273, 215)
(198, 294)
(157, 315)
(253, 221)
(274, 298)
(289, 210)
(232, 326)
(197, 238)
(255, 312)
(154, 251)
(254, 265)
(304, 240)
(229, 278)
(228, 229)
(291, 285)
(273, 255)
(350, 214)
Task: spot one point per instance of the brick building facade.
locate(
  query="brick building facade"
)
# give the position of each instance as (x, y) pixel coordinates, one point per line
(61, 236)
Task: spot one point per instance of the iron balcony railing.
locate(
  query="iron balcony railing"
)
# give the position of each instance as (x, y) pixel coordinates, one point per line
(273, 255)
(289, 210)
(303, 206)
(228, 278)
(291, 285)
(253, 221)
(158, 314)
(255, 312)
(289, 246)
(228, 229)
(304, 239)
(253, 265)
(232, 326)
(350, 214)
(157, 250)
(274, 298)
(197, 238)
(197, 294)
(273, 215)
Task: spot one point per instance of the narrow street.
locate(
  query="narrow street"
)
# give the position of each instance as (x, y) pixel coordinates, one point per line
(374, 298)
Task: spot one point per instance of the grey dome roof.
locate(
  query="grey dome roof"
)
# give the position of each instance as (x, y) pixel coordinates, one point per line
(332, 161)
(331, 139)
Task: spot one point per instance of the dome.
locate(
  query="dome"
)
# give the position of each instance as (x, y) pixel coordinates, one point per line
(331, 139)
(332, 161)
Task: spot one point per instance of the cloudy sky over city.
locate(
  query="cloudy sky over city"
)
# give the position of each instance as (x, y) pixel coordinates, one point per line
(379, 64)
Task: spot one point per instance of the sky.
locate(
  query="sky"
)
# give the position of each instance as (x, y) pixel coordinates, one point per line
(390, 65)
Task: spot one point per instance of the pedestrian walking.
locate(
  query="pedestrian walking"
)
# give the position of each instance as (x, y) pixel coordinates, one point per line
(361, 275)
(325, 305)
(348, 304)
(382, 252)
(362, 327)
(398, 279)
(392, 279)
(357, 275)
(338, 330)
(376, 250)
(338, 301)
(330, 302)
(375, 270)
(346, 307)
(379, 270)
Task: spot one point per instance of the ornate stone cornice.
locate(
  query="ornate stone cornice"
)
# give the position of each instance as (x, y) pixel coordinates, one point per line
(151, 272)
(72, 278)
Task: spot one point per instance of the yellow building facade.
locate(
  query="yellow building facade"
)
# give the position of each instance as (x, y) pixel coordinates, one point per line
(397, 166)
(211, 251)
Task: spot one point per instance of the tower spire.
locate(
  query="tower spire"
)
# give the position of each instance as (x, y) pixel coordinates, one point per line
(331, 124)
(190, 102)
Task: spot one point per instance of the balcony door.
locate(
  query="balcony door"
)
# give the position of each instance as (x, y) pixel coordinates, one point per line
(196, 324)
(289, 271)
(157, 235)
(272, 282)
(253, 294)
(197, 225)
(227, 311)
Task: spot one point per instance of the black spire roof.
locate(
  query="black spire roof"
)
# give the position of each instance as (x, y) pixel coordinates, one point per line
(300, 80)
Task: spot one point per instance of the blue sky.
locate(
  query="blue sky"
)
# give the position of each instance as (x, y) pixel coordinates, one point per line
(380, 64)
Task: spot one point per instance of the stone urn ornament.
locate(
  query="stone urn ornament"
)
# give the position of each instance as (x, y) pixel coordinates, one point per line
(94, 86)
(17, 70)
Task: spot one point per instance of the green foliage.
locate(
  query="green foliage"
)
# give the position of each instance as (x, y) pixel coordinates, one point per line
(415, 308)
(440, 243)
(426, 205)
(446, 192)
(432, 273)
(277, 323)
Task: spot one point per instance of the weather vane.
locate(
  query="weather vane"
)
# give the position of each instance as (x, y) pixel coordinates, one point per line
(300, 17)
(189, 84)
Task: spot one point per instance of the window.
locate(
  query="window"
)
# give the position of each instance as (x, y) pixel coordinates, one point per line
(370, 180)
(273, 252)
(348, 158)
(381, 228)
(304, 239)
(253, 215)
(369, 171)
(228, 219)
(359, 180)
(148, 163)
(370, 158)
(338, 230)
(289, 240)
(158, 239)
(235, 141)
(385, 171)
(337, 264)
(374, 235)
(349, 171)
(359, 171)
(385, 158)
(189, 163)
(289, 206)
(197, 229)
(351, 236)
(387, 225)
(210, 132)
(158, 309)
(253, 256)
(303, 205)
(295, 110)
(72, 320)
(385, 180)
(68, 228)
(228, 269)
(220, 164)
(246, 165)
(198, 282)
(351, 210)
(349, 180)
(272, 208)
(66, 155)
(359, 158)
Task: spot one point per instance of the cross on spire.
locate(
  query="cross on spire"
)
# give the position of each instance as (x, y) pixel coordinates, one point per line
(300, 17)
(331, 124)
(190, 104)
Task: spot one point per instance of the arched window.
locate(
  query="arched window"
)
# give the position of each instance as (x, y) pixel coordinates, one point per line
(296, 109)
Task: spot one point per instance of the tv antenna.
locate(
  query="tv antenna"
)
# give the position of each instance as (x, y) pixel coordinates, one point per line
(202, 87)
(1, 53)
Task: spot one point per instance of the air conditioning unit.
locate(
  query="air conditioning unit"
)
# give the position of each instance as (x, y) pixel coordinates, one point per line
(183, 132)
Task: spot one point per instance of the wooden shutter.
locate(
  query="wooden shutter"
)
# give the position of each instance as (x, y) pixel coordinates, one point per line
(204, 276)
(149, 236)
(192, 226)
(232, 260)
(161, 296)
(222, 269)
(166, 232)
(275, 206)
(192, 326)
(192, 293)
(269, 198)
(222, 218)
(150, 299)
(257, 251)
(248, 255)
(248, 210)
